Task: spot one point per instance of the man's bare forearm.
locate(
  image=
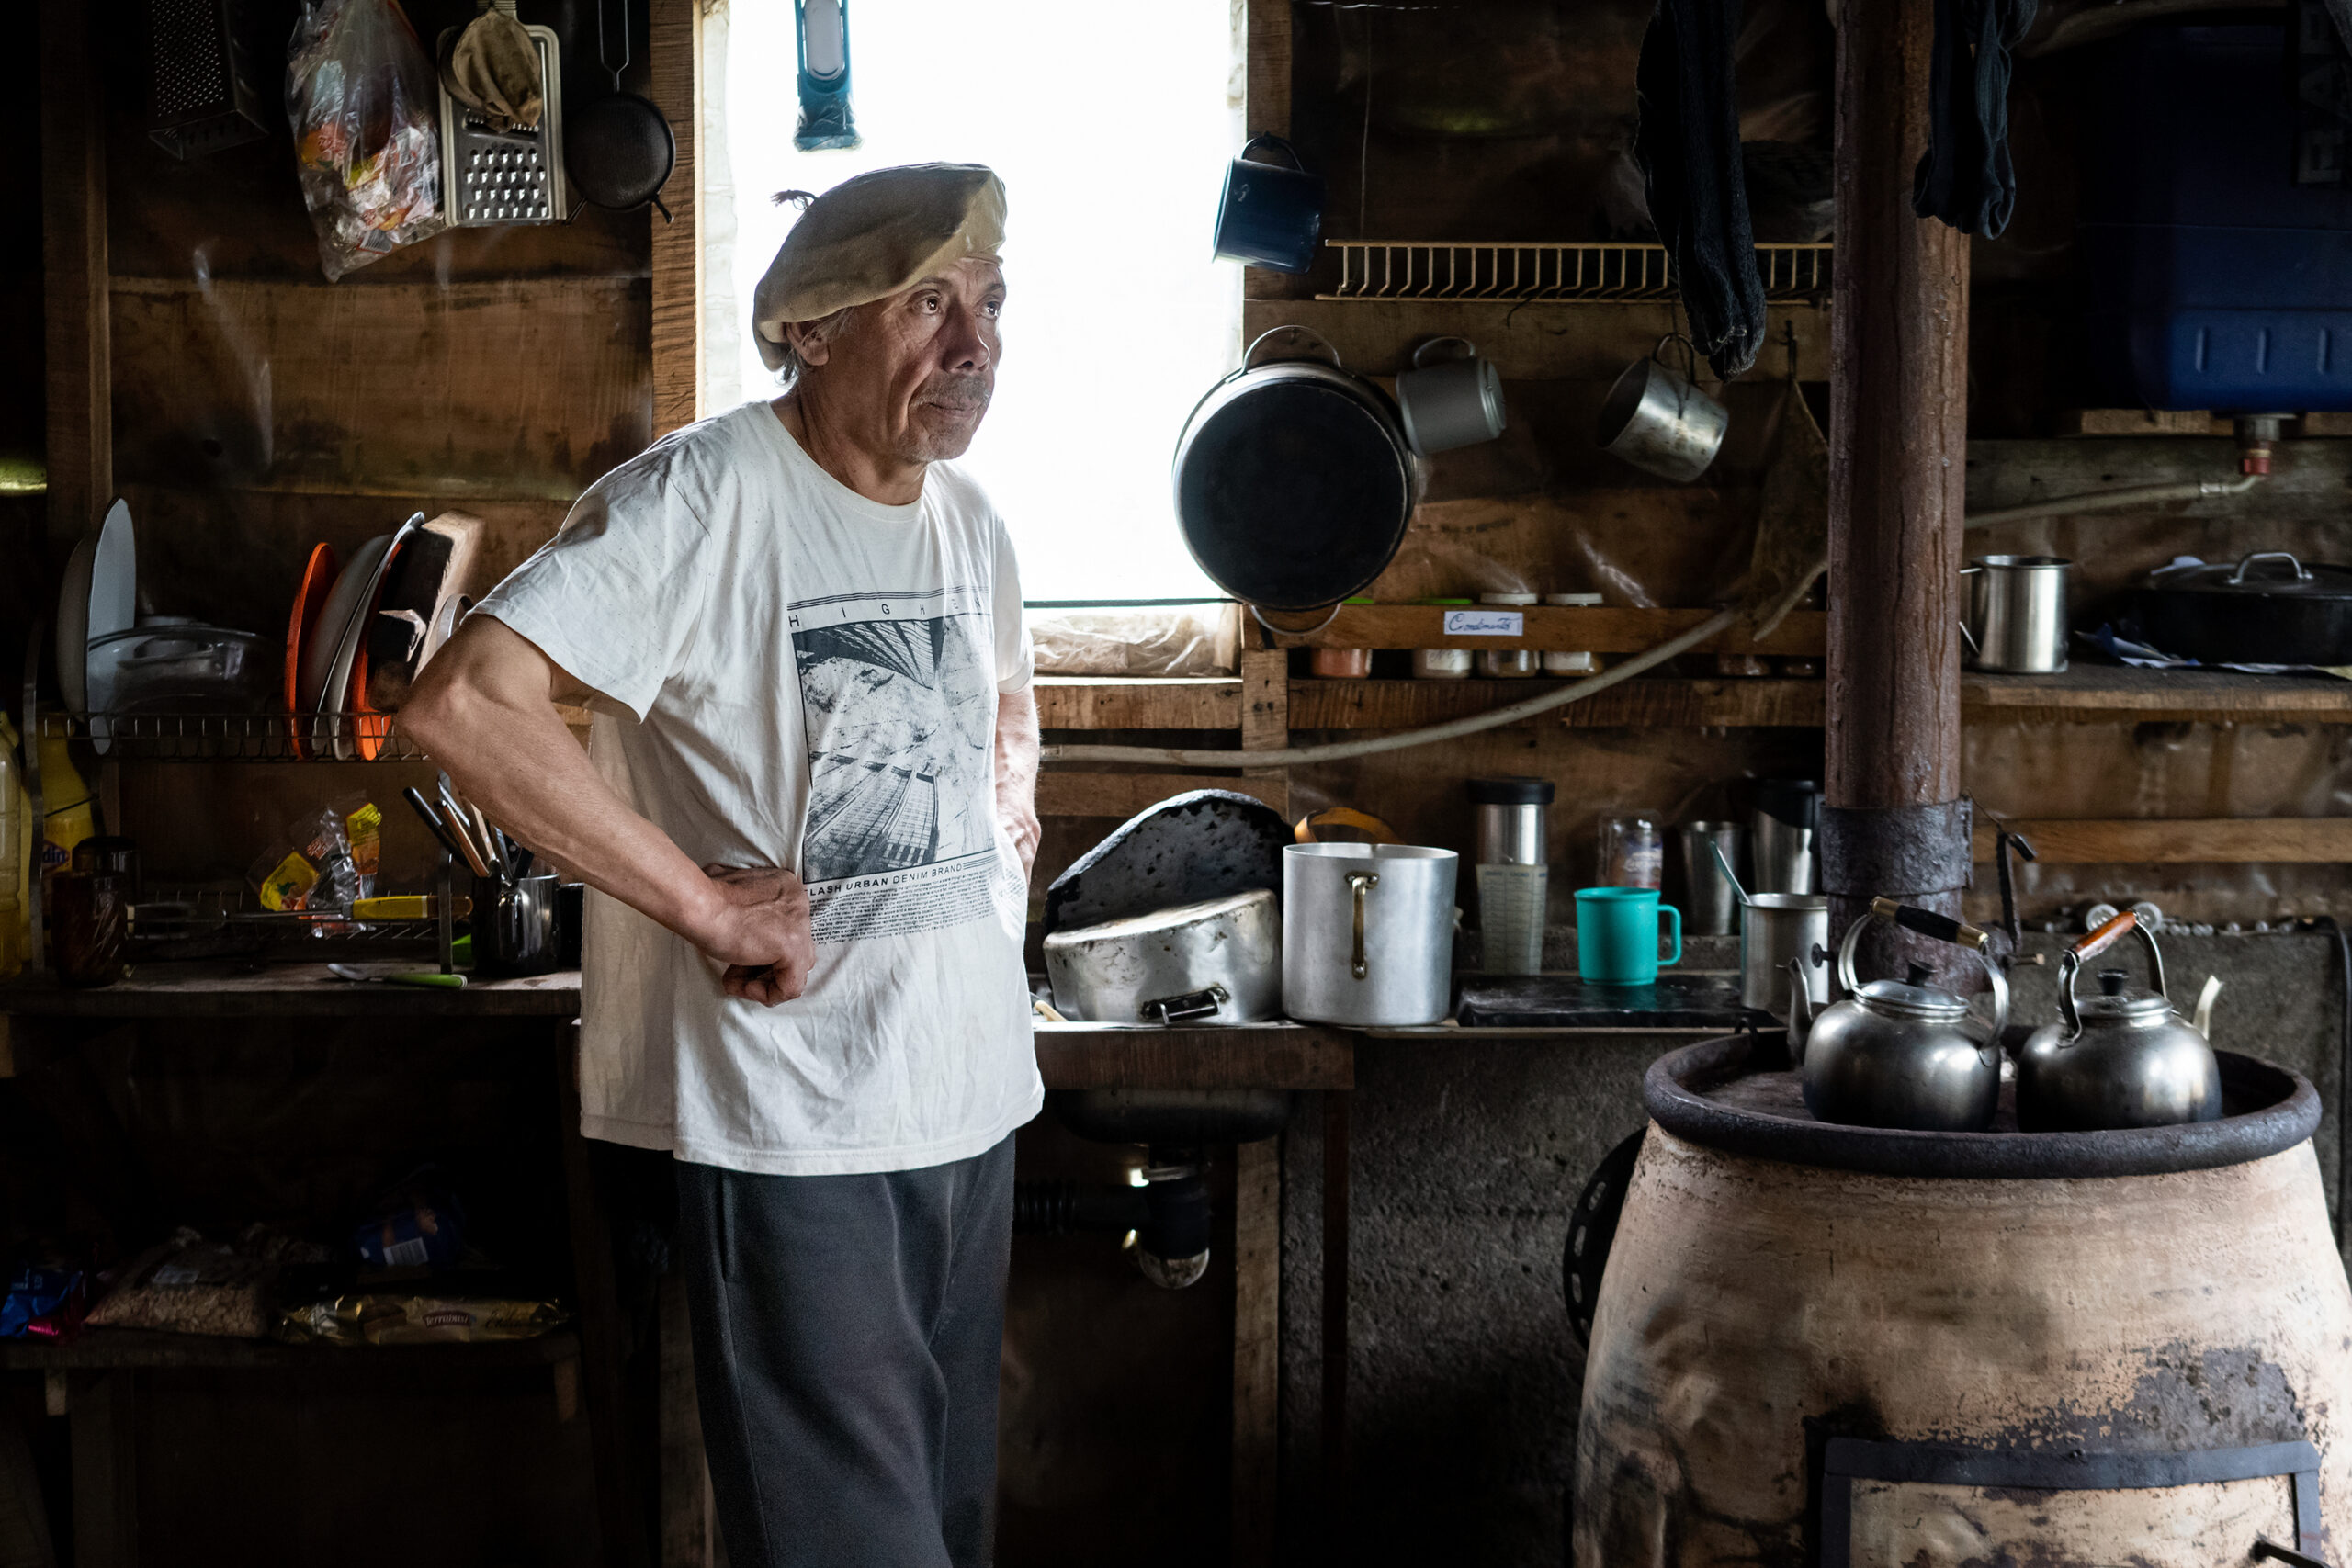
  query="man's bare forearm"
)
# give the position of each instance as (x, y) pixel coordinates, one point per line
(478, 711)
(1016, 772)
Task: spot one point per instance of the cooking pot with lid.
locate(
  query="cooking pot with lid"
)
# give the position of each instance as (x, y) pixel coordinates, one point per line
(1293, 478)
(2268, 608)
(1217, 961)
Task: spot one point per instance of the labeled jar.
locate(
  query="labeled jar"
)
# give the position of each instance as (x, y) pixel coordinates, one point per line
(1632, 850)
(1442, 663)
(1341, 663)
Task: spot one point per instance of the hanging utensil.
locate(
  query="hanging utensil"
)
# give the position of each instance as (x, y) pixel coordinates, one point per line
(618, 150)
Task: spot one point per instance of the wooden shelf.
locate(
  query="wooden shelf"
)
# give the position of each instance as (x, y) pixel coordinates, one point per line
(222, 990)
(1598, 628)
(2168, 841)
(111, 1350)
(1240, 1055)
(2084, 695)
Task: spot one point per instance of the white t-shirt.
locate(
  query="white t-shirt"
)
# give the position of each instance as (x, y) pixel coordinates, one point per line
(810, 682)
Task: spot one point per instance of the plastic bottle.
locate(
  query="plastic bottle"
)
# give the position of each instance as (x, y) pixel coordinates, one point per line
(69, 806)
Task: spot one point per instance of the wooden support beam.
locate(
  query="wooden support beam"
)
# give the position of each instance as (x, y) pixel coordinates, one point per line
(1265, 719)
(2175, 841)
(73, 264)
(1121, 795)
(1257, 1350)
(674, 44)
(1898, 463)
(102, 1408)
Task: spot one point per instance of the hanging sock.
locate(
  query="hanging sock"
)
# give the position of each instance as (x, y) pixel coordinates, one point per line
(1687, 146)
(1965, 178)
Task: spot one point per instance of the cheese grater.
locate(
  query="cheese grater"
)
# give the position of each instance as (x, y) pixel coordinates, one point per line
(498, 173)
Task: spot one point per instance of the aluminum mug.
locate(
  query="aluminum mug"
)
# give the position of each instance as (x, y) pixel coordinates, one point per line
(1457, 402)
(1709, 900)
(1657, 419)
(514, 925)
(2017, 614)
(1270, 216)
(1775, 930)
(1617, 935)
(1780, 834)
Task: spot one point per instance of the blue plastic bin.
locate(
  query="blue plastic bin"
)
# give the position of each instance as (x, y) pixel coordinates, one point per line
(2216, 281)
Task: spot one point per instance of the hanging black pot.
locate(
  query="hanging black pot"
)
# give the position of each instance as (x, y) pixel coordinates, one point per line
(1294, 480)
(618, 150)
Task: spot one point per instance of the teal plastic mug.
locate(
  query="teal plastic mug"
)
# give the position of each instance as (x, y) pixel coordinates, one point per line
(1617, 935)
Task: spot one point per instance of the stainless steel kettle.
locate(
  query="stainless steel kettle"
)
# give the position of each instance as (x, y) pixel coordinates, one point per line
(2122, 1058)
(1902, 1052)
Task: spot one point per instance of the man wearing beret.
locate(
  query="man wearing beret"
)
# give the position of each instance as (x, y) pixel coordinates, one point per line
(805, 813)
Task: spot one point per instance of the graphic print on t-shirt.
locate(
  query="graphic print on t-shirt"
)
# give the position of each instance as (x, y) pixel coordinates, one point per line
(900, 704)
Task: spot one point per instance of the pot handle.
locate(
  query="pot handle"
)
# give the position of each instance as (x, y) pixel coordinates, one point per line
(1203, 1003)
(1249, 355)
(1361, 882)
(2071, 962)
(1295, 161)
(1942, 928)
(1435, 340)
(2302, 573)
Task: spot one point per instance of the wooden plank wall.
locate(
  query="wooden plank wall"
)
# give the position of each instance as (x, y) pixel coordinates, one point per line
(257, 408)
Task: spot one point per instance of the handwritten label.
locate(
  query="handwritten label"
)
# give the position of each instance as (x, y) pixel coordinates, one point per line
(1485, 623)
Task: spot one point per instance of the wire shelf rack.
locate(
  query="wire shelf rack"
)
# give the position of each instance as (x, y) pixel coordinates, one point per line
(238, 738)
(182, 922)
(1506, 272)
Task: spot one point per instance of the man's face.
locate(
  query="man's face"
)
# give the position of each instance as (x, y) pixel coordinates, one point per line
(909, 377)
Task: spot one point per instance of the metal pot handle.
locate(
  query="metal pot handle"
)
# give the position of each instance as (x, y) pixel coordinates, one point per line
(1942, 928)
(1295, 161)
(1249, 355)
(2302, 573)
(1435, 340)
(1361, 881)
(2071, 962)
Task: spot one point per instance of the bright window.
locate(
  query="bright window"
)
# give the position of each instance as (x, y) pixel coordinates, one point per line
(1111, 125)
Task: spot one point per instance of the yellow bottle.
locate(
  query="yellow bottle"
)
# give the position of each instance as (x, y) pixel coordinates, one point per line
(69, 806)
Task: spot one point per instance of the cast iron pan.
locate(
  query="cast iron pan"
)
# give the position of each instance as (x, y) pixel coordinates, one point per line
(2265, 609)
(618, 150)
(1592, 1230)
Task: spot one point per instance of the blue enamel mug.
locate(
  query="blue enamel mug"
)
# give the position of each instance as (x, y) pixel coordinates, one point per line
(1270, 215)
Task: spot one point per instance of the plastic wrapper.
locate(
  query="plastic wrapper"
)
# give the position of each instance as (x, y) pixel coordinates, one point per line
(387, 1318)
(326, 860)
(417, 1225)
(44, 1303)
(189, 1285)
(365, 105)
(1165, 640)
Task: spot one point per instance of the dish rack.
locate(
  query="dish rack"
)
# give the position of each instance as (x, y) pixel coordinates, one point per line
(226, 738)
(1549, 272)
(170, 923)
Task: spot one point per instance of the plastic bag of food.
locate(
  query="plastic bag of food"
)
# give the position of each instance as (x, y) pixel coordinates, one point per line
(418, 1222)
(1165, 640)
(365, 105)
(370, 1317)
(326, 860)
(42, 1302)
(190, 1285)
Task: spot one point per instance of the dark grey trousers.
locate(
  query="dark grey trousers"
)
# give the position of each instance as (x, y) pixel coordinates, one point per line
(847, 1334)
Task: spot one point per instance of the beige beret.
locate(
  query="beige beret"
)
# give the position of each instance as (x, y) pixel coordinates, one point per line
(868, 238)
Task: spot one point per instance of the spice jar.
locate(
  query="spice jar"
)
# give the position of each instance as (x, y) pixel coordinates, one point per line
(1341, 663)
(1556, 663)
(1632, 850)
(1506, 663)
(1442, 663)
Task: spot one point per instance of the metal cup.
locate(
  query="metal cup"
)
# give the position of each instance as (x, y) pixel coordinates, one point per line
(1457, 402)
(1710, 902)
(2017, 614)
(1775, 930)
(1270, 216)
(1657, 419)
(514, 925)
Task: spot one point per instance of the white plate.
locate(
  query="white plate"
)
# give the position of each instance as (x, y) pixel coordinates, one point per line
(326, 663)
(370, 566)
(112, 606)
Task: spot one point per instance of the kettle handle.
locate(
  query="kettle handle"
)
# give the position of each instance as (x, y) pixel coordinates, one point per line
(2071, 962)
(1942, 928)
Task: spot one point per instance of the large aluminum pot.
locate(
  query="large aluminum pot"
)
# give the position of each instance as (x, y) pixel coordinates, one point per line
(1294, 478)
(1368, 933)
(1218, 961)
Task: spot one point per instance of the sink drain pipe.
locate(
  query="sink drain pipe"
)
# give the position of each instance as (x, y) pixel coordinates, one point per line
(1169, 1214)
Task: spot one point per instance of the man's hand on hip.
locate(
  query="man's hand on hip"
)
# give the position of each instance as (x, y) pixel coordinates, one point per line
(761, 931)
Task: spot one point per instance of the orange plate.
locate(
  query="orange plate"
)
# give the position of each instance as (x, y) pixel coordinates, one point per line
(317, 577)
